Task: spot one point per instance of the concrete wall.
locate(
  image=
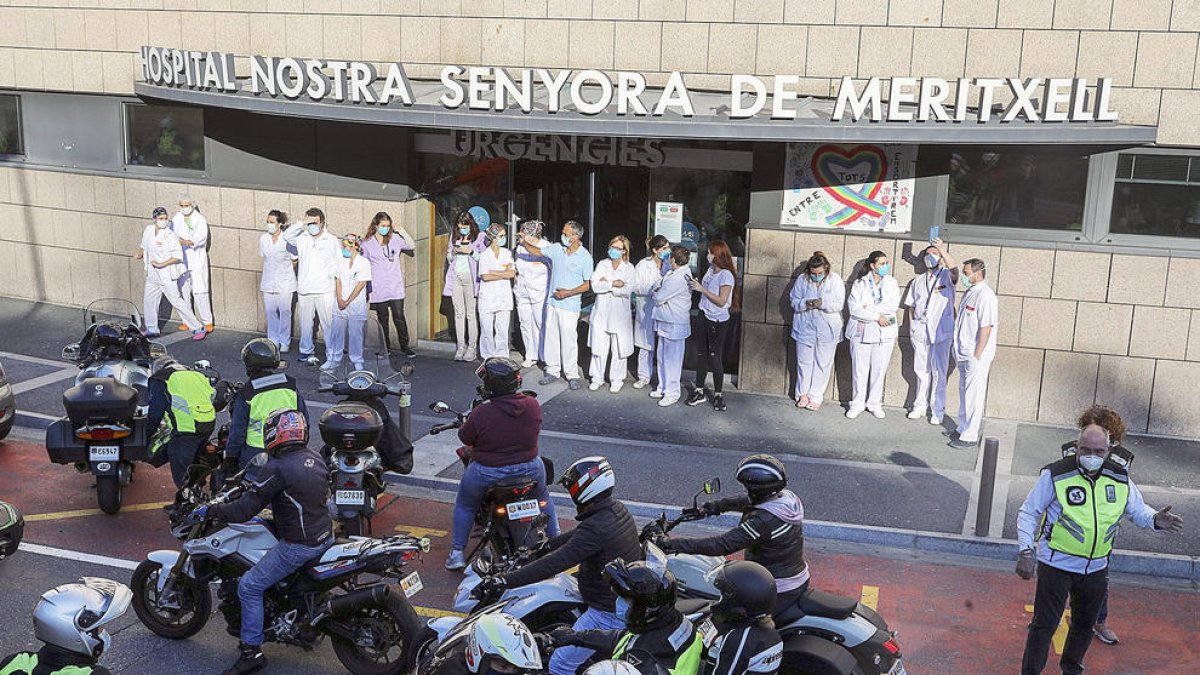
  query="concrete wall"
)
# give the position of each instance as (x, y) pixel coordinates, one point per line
(1075, 329)
(1149, 47)
(69, 239)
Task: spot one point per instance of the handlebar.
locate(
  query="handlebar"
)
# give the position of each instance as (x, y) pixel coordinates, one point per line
(439, 428)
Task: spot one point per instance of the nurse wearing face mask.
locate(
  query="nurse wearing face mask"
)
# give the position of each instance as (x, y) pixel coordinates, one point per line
(530, 292)
(350, 315)
(192, 229)
(385, 244)
(930, 303)
(647, 273)
(278, 284)
(872, 330)
(462, 282)
(817, 298)
(974, 349)
(162, 255)
(318, 254)
(496, 272)
(611, 335)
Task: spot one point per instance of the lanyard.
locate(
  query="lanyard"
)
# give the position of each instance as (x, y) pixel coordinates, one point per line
(930, 287)
(876, 291)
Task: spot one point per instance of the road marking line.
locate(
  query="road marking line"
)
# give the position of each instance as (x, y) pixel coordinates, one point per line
(1060, 633)
(436, 613)
(45, 380)
(78, 513)
(34, 359)
(417, 531)
(38, 415)
(870, 596)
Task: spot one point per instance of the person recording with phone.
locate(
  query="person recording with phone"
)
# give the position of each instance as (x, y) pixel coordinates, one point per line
(872, 330)
(930, 303)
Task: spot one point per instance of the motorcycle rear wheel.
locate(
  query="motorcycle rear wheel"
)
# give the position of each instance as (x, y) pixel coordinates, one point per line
(108, 493)
(354, 527)
(386, 637)
(195, 603)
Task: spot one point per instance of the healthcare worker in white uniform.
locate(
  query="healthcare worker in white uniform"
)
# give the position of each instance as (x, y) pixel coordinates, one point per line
(817, 297)
(495, 302)
(278, 284)
(192, 229)
(672, 324)
(318, 252)
(872, 330)
(350, 313)
(648, 272)
(529, 290)
(611, 335)
(930, 303)
(975, 330)
(162, 256)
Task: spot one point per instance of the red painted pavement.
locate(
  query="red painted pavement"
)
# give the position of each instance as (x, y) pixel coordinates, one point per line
(951, 619)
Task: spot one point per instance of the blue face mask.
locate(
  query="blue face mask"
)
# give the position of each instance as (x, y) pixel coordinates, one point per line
(884, 269)
(615, 253)
(817, 278)
(314, 229)
(662, 255)
(931, 261)
(622, 609)
(464, 231)
(384, 230)
(566, 239)
(346, 253)
(966, 281)
(502, 241)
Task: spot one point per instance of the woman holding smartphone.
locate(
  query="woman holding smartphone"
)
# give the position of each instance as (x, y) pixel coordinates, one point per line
(872, 330)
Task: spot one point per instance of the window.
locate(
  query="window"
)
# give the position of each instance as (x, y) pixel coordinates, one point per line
(1016, 188)
(1156, 195)
(10, 125)
(164, 136)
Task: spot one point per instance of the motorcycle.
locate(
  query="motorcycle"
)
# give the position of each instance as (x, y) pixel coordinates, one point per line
(104, 430)
(343, 595)
(509, 508)
(822, 632)
(361, 439)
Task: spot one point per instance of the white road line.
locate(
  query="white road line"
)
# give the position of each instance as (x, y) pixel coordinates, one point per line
(44, 380)
(38, 415)
(78, 556)
(34, 359)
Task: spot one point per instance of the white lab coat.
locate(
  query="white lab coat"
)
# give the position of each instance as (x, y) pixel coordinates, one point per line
(823, 324)
(159, 245)
(673, 303)
(646, 274)
(495, 295)
(351, 272)
(867, 303)
(931, 297)
(195, 229)
(978, 307)
(318, 259)
(532, 277)
(278, 273)
(611, 313)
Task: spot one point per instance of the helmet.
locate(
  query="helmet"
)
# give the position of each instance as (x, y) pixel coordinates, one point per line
(284, 428)
(648, 590)
(499, 376)
(612, 668)
(163, 362)
(501, 636)
(747, 591)
(762, 476)
(260, 354)
(72, 616)
(12, 528)
(588, 479)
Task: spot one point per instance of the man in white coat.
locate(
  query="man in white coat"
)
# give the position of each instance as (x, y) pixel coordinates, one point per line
(530, 292)
(930, 303)
(318, 253)
(611, 333)
(192, 229)
(974, 348)
(162, 256)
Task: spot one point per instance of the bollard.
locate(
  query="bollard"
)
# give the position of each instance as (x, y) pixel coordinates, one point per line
(406, 410)
(987, 487)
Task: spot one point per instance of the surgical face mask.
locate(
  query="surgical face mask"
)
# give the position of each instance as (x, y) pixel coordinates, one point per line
(966, 281)
(622, 609)
(272, 228)
(464, 231)
(1091, 463)
(502, 241)
(314, 229)
(931, 261)
(710, 258)
(817, 278)
(187, 210)
(566, 239)
(346, 253)
(161, 223)
(884, 269)
(662, 255)
(614, 253)
(384, 230)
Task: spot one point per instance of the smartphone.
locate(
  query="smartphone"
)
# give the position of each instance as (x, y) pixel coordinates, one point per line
(891, 321)
(935, 231)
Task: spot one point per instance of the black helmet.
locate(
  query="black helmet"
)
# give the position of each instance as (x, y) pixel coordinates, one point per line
(12, 528)
(747, 591)
(588, 479)
(762, 476)
(260, 354)
(283, 429)
(649, 591)
(499, 376)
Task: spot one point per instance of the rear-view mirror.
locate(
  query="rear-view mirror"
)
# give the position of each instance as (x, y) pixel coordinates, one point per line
(712, 486)
(439, 407)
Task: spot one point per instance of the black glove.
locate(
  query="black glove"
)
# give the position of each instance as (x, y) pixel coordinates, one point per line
(561, 636)
(652, 531)
(712, 508)
(1026, 565)
(489, 587)
(666, 544)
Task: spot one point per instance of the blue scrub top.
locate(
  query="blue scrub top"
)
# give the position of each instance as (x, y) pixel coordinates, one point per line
(568, 271)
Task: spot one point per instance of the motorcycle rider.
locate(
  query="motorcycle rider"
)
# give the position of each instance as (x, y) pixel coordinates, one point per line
(184, 398)
(498, 643)
(502, 436)
(294, 481)
(646, 595)
(749, 643)
(268, 390)
(606, 532)
(70, 621)
(771, 530)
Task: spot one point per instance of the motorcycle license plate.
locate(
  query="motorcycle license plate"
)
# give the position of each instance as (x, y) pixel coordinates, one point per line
(708, 632)
(411, 585)
(350, 497)
(523, 509)
(104, 453)
(898, 669)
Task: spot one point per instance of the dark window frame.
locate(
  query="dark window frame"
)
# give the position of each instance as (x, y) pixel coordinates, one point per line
(20, 154)
(154, 170)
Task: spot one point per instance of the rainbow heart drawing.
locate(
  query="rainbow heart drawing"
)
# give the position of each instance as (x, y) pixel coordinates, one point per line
(865, 165)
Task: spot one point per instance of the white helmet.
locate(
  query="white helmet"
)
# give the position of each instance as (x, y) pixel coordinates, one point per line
(612, 668)
(588, 478)
(73, 616)
(504, 637)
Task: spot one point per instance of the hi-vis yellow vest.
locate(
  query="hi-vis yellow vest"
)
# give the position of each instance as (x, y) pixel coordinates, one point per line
(23, 664)
(1091, 509)
(688, 661)
(191, 400)
(262, 405)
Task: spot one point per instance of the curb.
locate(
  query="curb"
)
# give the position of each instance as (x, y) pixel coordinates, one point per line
(1158, 565)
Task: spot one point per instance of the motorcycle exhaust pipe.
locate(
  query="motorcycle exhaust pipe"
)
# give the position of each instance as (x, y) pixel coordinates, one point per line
(344, 605)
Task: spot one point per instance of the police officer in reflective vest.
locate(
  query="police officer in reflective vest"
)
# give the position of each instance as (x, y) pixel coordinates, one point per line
(182, 399)
(266, 391)
(1075, 510)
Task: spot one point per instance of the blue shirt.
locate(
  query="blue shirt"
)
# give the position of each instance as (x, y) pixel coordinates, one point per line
(567, 270)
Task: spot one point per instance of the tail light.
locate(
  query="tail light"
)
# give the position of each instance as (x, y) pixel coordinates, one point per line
(500, 510)
(102, 432)
(892, 647)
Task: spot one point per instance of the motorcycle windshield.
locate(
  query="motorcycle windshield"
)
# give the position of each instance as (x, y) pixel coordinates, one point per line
(111, 309)
(375, 361)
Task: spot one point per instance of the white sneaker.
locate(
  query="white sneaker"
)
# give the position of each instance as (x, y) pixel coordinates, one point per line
(915, 414)
(668, 401)
(616, 386)
(455, 560)
(852, 413)
(470, 355)
(283, 349)
(529, 363)
(641, 384)
(935, 421)
(878, 413)
(460, 353)
(595, 385)
(656, 394)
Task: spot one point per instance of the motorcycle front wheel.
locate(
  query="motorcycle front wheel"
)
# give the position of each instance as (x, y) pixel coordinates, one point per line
(108, 493)
(180, 616)
(384, 637)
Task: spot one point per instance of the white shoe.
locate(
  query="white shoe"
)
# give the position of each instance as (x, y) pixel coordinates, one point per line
(455, 560)
(529, 363)
(878, 413)
(852, 413)
(328, 365)
(595, 385)
(915, 414)
(358, 366)
(641, 384)
(470, 355)
(283, 349)
(935, 421)
(460, 353)
(616, 386)
(656, 394)
(668, 401)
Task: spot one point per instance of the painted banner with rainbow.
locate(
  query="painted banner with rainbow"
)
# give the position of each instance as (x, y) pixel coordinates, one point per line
(866, 187)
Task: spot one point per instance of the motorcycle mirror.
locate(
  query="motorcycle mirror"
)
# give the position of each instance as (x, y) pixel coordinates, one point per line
(439, 407)
(407, 368)
(157, 349)
(712, 486)
(202, 364)
(71, 352)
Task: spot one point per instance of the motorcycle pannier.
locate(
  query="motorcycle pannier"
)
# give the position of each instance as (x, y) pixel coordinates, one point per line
(351, 426)
(100, 399)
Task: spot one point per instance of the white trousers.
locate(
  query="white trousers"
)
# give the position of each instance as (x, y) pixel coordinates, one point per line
(645, 364)
(529, 313)
(870, 367)
(670, 365)
(605, 347)
(308, 307)
(493, 333)
(814, 367)
(931, 363)
(155, 290)
(279, 318)
(201, 301)
(340, 328)
(562, 343)
(466, 319)
(972, 393)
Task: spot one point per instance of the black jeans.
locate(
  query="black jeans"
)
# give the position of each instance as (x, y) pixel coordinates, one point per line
(396, 307)
(711, 345)
(1086, 591)
(182, 451)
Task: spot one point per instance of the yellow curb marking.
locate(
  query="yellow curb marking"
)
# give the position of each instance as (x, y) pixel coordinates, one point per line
(870, 596)
(79, 513)
(1060, 634)
(416, 531)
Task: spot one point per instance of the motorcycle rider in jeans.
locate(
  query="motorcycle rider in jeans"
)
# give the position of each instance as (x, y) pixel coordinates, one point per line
(771, 530)
(294, 482)
(501, 435)
(606, 532)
